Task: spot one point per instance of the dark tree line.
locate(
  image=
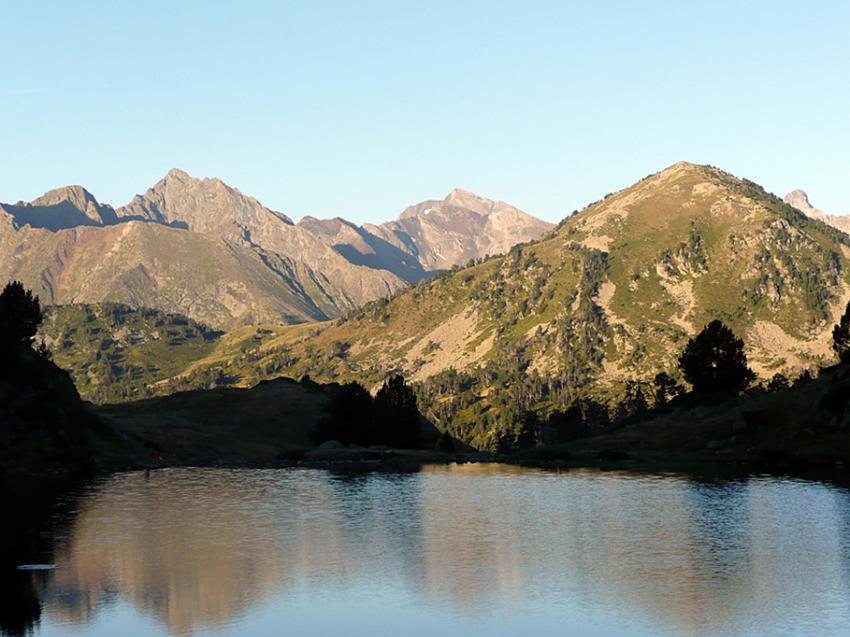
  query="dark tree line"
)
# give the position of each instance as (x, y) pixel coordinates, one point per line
(391, 418)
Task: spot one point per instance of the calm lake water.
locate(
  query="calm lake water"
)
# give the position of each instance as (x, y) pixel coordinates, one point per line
(449, 550)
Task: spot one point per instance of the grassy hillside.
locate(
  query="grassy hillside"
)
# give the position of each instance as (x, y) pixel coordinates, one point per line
(274, 420)
(116, 353)
(253, 425)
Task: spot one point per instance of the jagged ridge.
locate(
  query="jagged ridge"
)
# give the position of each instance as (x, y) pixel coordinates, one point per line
(201, 248)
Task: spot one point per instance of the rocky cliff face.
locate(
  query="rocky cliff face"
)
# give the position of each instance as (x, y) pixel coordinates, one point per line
(444, 233)
(360, 246)
(210, 207)
(200, 205)
(431, 236)
(149, 265)
(800, 200)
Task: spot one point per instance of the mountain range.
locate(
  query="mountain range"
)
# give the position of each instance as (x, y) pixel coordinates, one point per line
(201, 248)
(591, 310)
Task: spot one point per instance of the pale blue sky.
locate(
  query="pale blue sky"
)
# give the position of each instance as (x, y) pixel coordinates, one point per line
(361, 108)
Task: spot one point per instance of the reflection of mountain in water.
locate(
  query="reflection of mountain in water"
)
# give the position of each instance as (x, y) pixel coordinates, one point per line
(199, 548)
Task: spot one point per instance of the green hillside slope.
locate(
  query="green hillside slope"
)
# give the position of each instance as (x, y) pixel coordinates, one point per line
(116, 353)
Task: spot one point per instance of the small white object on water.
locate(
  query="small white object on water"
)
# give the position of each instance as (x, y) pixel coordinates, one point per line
(36, 567)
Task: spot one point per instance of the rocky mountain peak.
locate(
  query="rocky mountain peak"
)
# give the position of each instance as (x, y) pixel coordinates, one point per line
(61, 208)
(469, 200)
(798, 194)
(203, 205)
(800, 200)
(457, 198)
(178, 174)
(178, 179)
(177, 182)
(459, 195)
(78, 196)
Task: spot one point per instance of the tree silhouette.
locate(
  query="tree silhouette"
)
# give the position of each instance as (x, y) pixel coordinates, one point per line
(20, 316)
(349, 417)
(714, 361)
(634, 402)
(397, 414)
(841, 337)
(666, 388)
(353, 417)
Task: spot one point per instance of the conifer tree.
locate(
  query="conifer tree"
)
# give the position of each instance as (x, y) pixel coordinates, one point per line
(714, 361)
(20, 316)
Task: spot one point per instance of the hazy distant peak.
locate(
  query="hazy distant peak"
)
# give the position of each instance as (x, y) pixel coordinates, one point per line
(441, 233)
(177, 173)
(798, 193)
(470, 201)
(800, 200)
(461, 195)
(457, 198)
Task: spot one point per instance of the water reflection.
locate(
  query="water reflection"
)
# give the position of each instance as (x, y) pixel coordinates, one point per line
(32, 514)
(465, 549)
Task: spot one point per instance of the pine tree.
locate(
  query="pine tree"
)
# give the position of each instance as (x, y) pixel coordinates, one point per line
(714, 361)
(666, 388)
(20, 316)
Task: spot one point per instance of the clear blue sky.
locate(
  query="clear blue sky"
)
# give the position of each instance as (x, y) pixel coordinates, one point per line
(360, 108)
